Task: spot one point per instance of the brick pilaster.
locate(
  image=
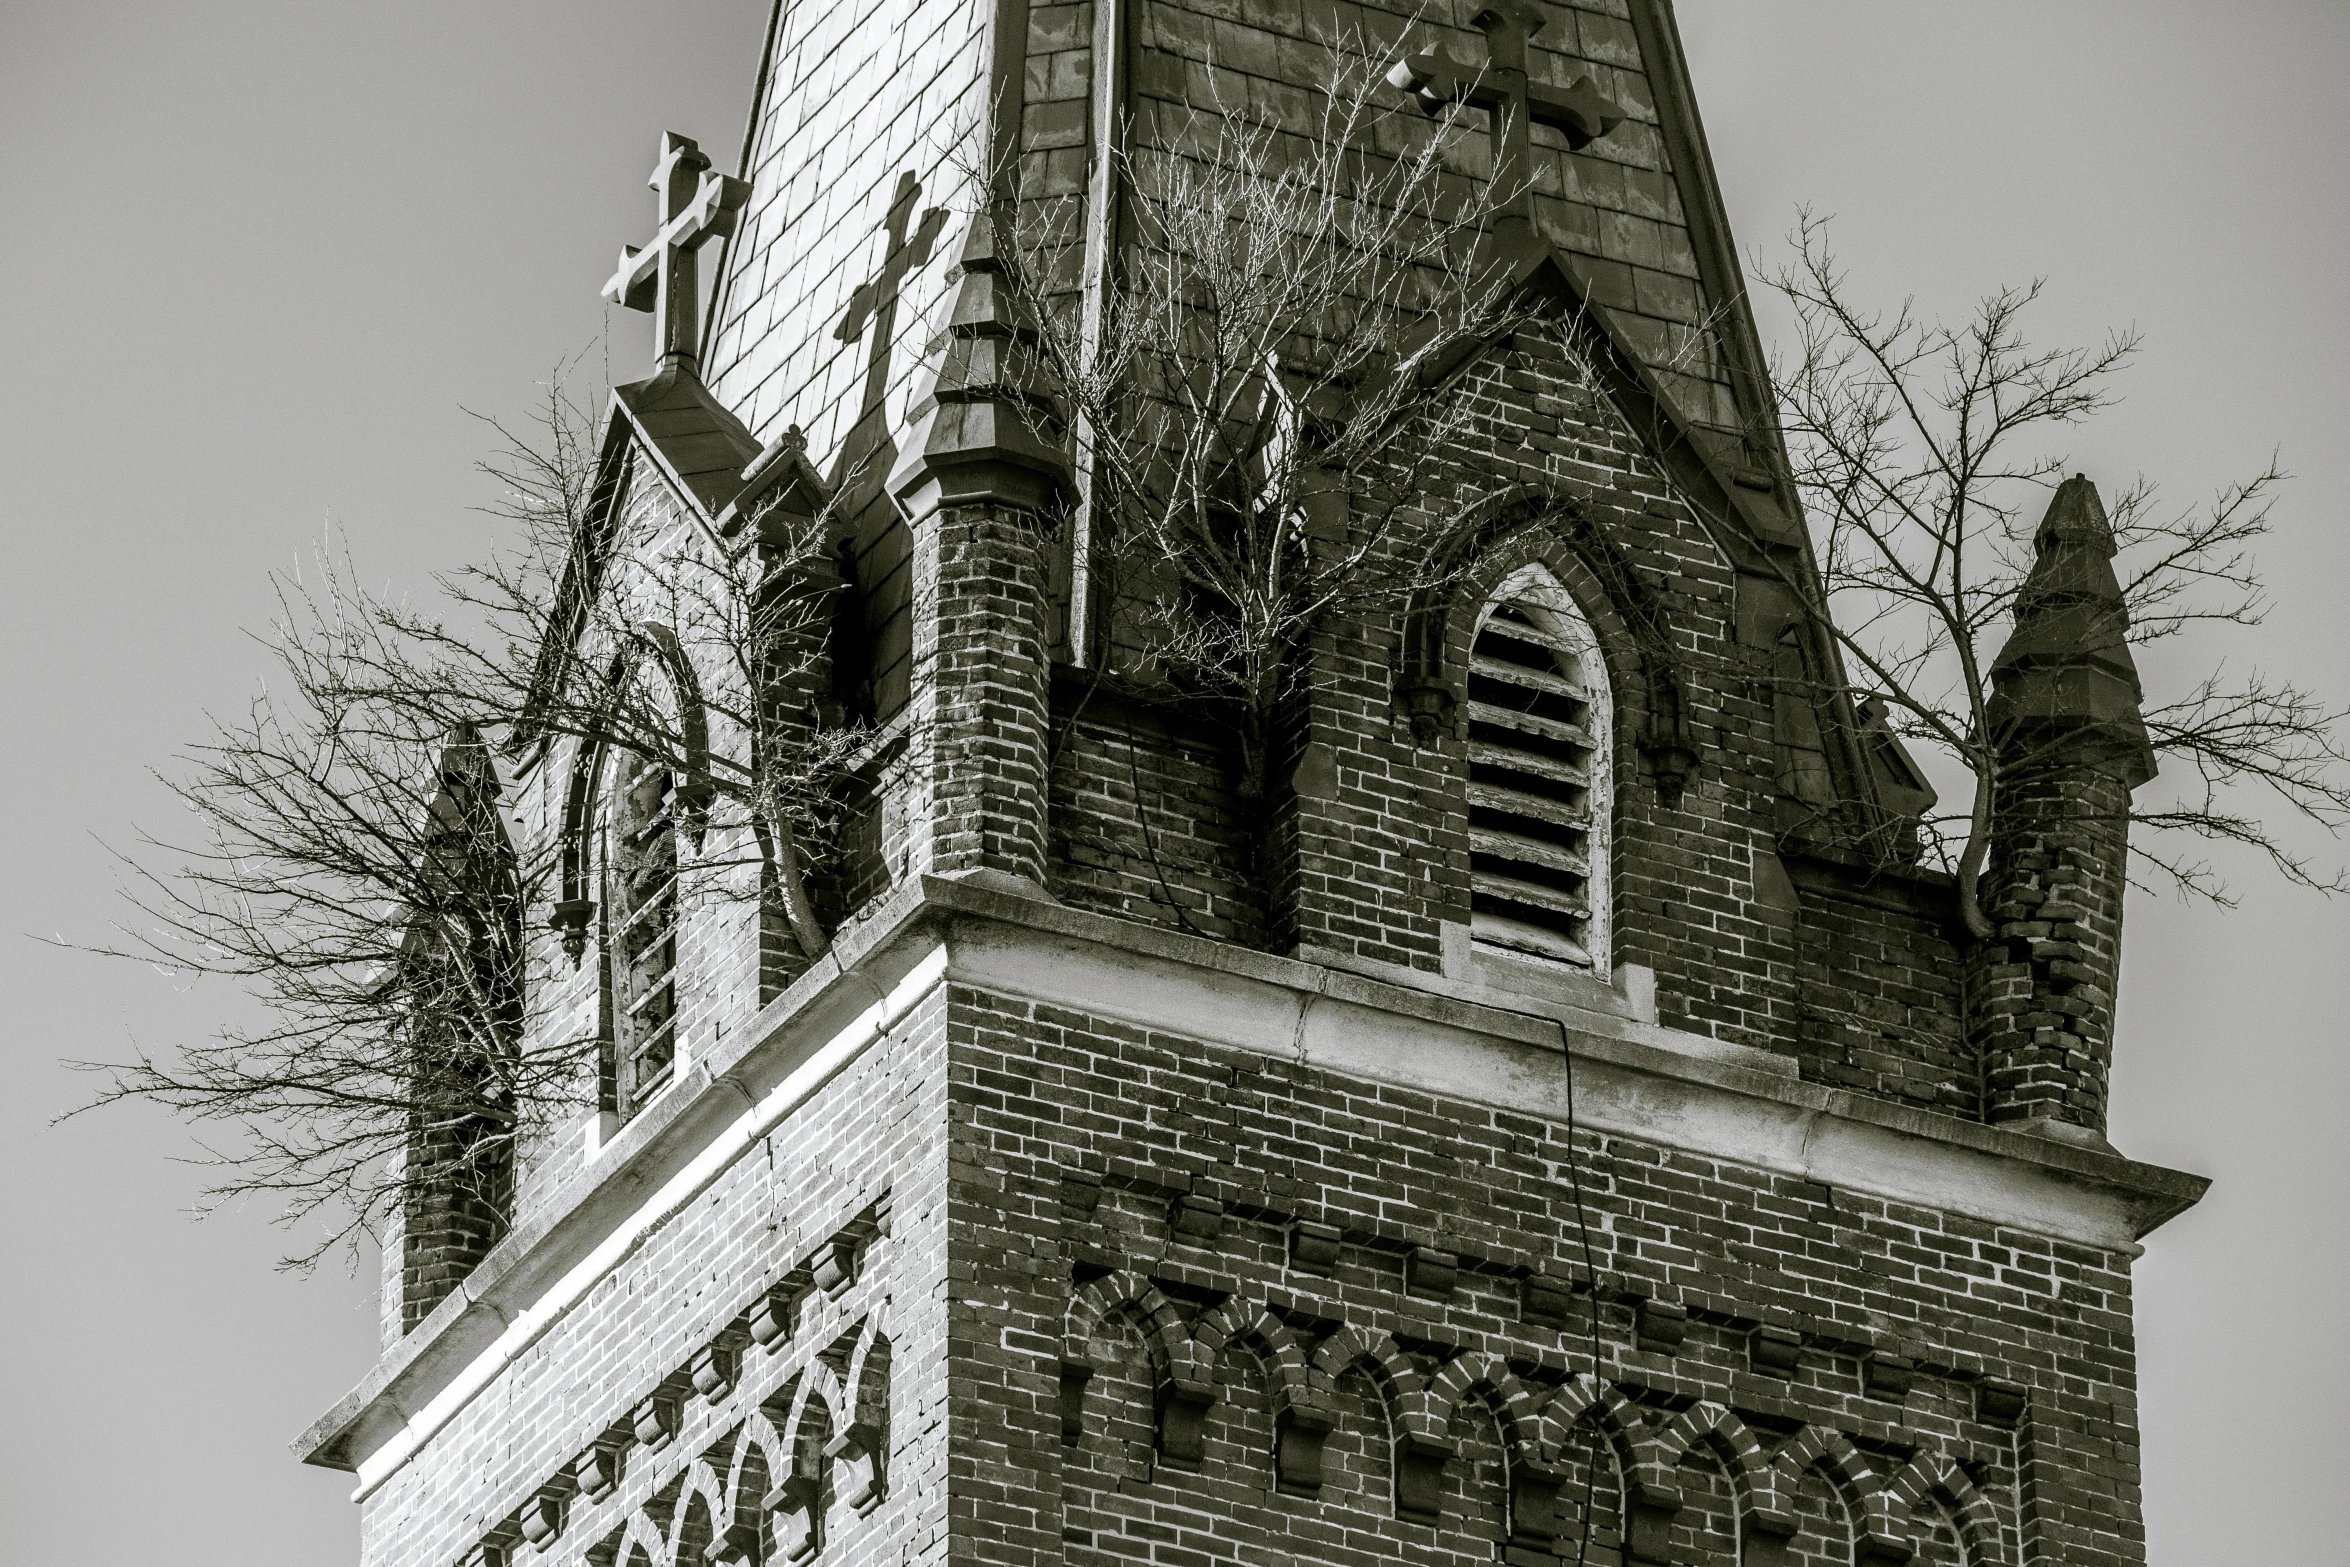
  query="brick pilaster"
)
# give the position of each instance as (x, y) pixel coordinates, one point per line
(2043, 987)
(450, 1218)
(982, 686)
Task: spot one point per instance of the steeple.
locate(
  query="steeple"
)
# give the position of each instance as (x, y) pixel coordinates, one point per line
(1427, 1147)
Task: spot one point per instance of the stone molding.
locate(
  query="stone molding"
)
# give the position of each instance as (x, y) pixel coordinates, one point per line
(1631, 1078)
(1628, 1079)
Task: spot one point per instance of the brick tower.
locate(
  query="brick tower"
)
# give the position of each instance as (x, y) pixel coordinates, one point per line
(1580, 1153)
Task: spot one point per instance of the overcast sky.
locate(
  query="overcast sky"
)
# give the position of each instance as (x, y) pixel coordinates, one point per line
(261, 258)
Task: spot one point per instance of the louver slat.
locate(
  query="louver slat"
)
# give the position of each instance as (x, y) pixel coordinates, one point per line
(1532, 894)
(1529, 851)
(1529, 723)
(1486, 754)
(1491, 668)
(1487, 798)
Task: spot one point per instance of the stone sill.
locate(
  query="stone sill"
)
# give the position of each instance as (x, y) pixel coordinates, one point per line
(1635, 1079)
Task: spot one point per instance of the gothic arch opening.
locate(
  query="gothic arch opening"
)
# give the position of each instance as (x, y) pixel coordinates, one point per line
(1540, 726)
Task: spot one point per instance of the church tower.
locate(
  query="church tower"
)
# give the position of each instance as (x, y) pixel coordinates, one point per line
(1552, 1120)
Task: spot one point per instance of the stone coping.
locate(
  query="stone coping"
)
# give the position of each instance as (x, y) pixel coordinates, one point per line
(1632, 1077)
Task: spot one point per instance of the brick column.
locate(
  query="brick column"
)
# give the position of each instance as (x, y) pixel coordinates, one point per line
(451, 1217)
(2042, 1009)
(2072, 746)
(981, 687)
(458, 1167)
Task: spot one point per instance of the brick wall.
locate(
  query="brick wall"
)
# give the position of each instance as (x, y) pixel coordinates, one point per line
(1878, 978)
(1246, 1244)
(1146, 1293)
(1144, 818)
(840, 1217)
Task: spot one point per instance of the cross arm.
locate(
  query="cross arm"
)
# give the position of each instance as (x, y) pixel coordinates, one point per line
(1580, 113)
(1437, 80)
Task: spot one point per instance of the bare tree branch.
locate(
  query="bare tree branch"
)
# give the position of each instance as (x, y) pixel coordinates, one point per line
(349, 865)
(1271, 387)
(1917, 448)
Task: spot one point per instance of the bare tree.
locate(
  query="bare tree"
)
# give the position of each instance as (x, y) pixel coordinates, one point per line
(1267, 381)
(1920, 451)
(351, 867)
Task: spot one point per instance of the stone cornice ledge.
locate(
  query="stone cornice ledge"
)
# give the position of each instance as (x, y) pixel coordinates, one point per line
(1628, 1078)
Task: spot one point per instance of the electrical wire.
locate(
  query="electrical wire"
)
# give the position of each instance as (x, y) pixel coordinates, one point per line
(1591, 1277)
(1142, 821)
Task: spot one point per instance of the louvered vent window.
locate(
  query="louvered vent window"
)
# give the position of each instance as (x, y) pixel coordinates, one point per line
(1539, 736)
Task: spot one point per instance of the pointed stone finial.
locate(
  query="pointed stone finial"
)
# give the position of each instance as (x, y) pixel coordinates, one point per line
(2066, 668)
(465, 761)
(980, 421)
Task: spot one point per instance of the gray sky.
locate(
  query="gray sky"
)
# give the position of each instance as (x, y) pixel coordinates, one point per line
(260, 257)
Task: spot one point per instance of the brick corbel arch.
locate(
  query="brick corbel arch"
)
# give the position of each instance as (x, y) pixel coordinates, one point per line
(1933, 1476)
(695, 1526)
(1498, 535)
(749, 1478)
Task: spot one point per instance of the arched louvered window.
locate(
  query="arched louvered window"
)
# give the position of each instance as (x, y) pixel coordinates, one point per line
(1541, 741)
(639, 853)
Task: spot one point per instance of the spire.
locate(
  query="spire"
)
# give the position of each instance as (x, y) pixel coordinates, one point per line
(2066, 669)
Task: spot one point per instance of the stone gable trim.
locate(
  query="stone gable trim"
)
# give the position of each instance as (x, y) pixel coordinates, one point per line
(1629, 1077)
(1708, 220)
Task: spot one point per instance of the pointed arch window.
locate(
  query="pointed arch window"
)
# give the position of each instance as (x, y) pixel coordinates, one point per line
(624, 817)
(1541, 764)
(638, 859)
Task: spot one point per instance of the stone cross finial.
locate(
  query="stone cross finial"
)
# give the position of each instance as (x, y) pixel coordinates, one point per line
(697, 204)
(1512, 103)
